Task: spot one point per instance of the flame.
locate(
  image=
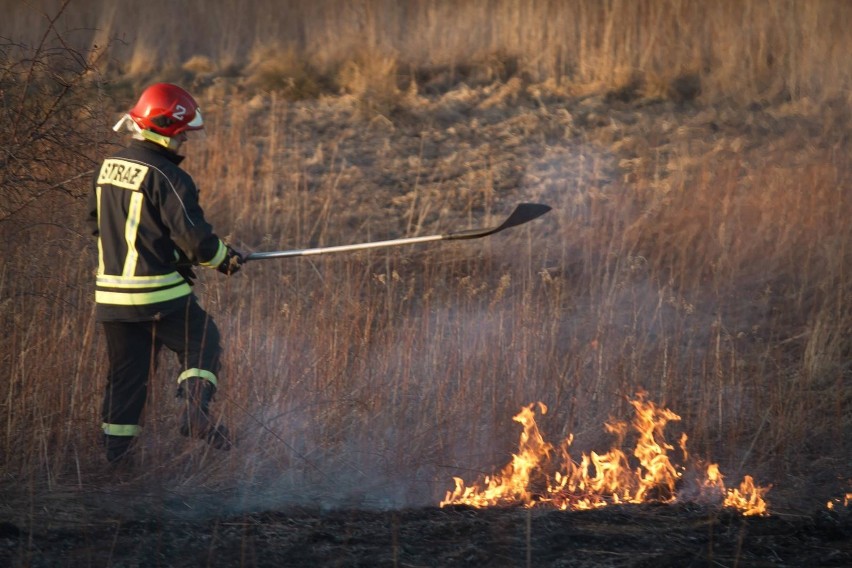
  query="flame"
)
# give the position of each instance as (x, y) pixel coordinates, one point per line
(846, 500)
(513, 482)
(599, 480)
(748, 498)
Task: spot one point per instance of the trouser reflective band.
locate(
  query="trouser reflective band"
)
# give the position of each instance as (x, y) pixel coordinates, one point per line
(121, 429)
(200, 373)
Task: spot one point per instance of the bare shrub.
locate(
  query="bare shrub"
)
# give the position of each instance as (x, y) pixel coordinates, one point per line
(49, 114)
(52, 122)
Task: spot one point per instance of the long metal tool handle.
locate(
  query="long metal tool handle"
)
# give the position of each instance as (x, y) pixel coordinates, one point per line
(523, 213)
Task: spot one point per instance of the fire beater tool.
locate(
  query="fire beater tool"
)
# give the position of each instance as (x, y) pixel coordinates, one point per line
(523, 213)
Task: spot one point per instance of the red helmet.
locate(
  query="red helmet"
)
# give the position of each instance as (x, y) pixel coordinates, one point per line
(167, 110)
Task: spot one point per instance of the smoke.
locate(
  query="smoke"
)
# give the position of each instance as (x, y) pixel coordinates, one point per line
(387, 423)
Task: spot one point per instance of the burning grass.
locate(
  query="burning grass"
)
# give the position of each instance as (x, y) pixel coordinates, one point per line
(598, 480)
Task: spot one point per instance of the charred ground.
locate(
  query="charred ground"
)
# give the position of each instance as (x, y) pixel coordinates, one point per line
(88, 530)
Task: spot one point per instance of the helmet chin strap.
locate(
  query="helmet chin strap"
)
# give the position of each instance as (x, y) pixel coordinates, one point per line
(171, 143)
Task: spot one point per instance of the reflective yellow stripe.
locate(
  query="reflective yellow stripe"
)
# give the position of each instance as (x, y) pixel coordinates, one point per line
(121, 429)
(142, 298)
(109, 281)
(218, 257)
(200, 373)
(101, 268)
(131, 227)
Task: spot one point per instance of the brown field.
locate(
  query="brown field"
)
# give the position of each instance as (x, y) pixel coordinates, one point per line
(697, 159)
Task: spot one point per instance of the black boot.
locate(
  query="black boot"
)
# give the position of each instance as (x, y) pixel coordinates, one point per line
(195, 419)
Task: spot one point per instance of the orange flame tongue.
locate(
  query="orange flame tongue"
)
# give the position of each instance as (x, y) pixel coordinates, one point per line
(659, 474)
(599, 479)
(511, 486)
(748, 498)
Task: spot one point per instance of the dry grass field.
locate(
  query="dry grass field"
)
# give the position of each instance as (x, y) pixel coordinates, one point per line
(697, 158)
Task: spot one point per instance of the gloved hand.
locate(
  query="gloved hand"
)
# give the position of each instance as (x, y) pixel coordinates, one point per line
(232, 263)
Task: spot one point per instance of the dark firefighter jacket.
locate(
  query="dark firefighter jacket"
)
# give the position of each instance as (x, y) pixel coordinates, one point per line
(144, 210)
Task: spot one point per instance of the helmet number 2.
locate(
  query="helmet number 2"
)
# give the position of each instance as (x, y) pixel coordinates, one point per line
(179, 113)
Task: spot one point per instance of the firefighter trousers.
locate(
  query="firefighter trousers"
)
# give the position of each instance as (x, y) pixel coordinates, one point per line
(133, 348)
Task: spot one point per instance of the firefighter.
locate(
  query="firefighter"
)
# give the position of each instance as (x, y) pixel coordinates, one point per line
(151, 231)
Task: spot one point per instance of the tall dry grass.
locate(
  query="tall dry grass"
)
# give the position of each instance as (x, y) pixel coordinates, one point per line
(712, 274)
(745, 49)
